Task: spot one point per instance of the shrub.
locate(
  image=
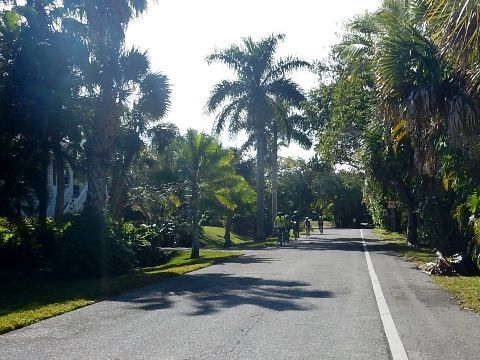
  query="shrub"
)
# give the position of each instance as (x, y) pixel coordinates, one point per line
(93, 246)
(25, 245)
(144, 240)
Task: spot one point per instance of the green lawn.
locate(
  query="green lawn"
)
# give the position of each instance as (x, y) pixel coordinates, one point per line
(26, 301)
(213, 238)
(465, 290)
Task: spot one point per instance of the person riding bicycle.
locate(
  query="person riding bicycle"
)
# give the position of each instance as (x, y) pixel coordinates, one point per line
(320, 224)
(295, 225)
(280, 226)
(307, 225)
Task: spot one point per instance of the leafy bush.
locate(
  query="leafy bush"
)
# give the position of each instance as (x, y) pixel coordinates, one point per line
(93, 246)
(145, 240)
(25, 245)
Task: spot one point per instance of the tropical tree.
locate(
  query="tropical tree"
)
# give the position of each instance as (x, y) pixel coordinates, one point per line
(151, 103)
(391, 162)
(247, 102)
(288, 125)
(456, 31)
(112, 73)
(208, 173)
(40, 93)
(234, 193)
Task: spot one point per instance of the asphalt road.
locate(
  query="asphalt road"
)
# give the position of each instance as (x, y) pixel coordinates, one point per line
(311, 300)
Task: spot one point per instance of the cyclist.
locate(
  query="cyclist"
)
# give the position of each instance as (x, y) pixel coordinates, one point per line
(295, 225)
(320, 224)
(280, 226)
(307, 225)
(288, 226)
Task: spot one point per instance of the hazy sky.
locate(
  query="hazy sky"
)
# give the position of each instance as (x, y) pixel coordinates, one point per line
(179, 34)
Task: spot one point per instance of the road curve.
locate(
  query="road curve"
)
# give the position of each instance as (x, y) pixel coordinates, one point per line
(310, 300)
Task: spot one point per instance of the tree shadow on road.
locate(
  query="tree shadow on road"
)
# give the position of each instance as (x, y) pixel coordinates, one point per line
(212, 293)
(344, 244)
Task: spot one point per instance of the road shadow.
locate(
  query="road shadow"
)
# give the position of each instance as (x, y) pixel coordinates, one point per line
(251, 259)
(212, 293)
(321, 243)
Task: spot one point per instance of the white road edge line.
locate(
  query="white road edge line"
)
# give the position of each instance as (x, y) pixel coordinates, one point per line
(396, 345)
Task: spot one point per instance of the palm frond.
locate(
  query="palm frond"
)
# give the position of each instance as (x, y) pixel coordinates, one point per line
(285, 66)
(223, 91)
(135, 65)
(155, 95)
(287, 90)
(457, 32)
(233, 57)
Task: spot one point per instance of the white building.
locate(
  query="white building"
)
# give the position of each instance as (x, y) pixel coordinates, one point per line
(75, 193)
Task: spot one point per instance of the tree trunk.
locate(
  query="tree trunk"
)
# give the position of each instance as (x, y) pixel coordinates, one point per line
(43, 193)
(195, 230)
(97, 180)
(260, 234)
(60, 198)
(117, 191)
(412, 226)
(274, 176)
(99, 154)
(228, 226)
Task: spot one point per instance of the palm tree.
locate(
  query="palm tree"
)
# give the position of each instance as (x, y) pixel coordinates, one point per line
(206, 168)
(417, 84)
(151, 104)
(42, 87)
(112, 73)
(456, 28)
(246, 103)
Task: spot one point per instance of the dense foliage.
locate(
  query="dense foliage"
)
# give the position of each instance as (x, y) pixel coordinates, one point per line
(395, 119)
(398, 100)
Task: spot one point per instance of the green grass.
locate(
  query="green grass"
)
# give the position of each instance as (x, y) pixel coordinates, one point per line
(465, 290)
(213, 238)
(24, 302)
(398, 242)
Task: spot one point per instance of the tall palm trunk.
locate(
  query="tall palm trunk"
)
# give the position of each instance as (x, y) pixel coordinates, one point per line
(260, 234)
(43, 189)
(274, 175)
(195, 230)
(228, 227)
(100, 153)
(60, 197)
(117, 192)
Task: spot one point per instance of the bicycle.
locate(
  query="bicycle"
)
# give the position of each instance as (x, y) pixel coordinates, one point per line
(307, 225)
(281, 236)
(296, 230)
(287, 235)
(307, 231)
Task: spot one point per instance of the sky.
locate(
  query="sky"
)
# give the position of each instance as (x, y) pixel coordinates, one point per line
(179, 34)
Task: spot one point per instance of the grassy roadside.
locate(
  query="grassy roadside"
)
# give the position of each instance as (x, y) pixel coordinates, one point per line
(213, 239)
(465, 290)
(27, 301)
(397, 242)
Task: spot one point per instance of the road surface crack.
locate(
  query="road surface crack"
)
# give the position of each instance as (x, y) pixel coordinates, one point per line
(244, 333)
